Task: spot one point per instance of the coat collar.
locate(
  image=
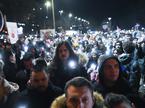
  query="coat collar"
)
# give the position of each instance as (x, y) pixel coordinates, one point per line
(60, 102)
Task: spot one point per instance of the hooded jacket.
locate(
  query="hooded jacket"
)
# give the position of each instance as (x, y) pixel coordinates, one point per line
(60, 102)
(121, 86)
(101, 61)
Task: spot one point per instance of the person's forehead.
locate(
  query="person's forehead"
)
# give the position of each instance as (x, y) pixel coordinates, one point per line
(111, 61)
(38, 74)
(63, 46)
(123, 105)
(27, 61)
(78, 91)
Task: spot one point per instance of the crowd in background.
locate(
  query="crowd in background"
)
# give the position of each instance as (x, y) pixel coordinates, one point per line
(113, 62)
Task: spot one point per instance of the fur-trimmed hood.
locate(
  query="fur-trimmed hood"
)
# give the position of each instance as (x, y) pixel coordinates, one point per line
(10, 86)
(7, 87)
(59, 102)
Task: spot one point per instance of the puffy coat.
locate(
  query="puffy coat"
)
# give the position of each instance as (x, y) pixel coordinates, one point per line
(60, 102)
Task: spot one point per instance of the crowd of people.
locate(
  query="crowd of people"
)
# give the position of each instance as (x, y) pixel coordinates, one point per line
(101, 70)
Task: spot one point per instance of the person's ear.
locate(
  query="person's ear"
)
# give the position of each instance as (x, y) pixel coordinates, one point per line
(29, 82)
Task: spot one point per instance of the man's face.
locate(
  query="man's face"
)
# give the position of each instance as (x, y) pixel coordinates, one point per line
(111, 70)
(63, 52)
(123, 105)
(28, 64)
(79, 97)
(12, 58)
(39, 81)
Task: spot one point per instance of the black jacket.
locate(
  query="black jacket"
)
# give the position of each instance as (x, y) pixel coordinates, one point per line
(120, 87)
(10, 100)
(59, 75)
(10, 71)
(34, 99)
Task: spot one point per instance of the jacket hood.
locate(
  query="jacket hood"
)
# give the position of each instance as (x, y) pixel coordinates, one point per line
(101, 61)
(59, 102)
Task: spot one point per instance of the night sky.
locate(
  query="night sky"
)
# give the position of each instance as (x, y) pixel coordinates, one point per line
(124, 13)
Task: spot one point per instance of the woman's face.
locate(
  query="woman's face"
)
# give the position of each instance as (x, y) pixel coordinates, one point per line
(111, 70)
(63, 53)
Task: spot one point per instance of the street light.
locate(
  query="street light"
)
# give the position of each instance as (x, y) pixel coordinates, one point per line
(70, 20)
(79, 19)
(33, 9)
(48, 4)
(109, 18)
(76, 17)
(53, 15)
(61, 12)
(70, 15)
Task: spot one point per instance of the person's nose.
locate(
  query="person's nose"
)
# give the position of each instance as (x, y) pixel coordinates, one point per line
(63, 52)
(80, 105)
(113, 70)
(40, 82)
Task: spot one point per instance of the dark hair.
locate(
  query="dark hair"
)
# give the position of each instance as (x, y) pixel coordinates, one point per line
(7, 54)
(71, 52)
(40, 66)
(112, 100)
(40, 62)
(128, 47)
(79, 82)
(28, 56)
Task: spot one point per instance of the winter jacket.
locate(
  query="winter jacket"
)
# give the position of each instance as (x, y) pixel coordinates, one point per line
(36, 99)
(10, 71)
(60, 74)
(121, 85)
(60, 102)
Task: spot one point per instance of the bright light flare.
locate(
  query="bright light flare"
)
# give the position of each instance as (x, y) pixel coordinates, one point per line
(93, 66)
(72, 64)
(47, 4)
(22, 106)
(70, 15)
(25, 48)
